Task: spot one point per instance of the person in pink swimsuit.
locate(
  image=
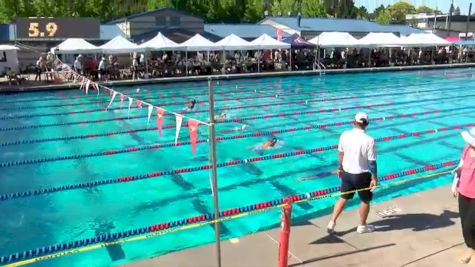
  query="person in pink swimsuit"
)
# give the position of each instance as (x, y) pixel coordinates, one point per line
(464, 188)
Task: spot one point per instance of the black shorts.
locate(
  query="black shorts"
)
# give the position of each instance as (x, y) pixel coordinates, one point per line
(350, 182)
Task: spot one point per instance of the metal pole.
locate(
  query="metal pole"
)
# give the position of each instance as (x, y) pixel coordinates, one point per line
(450, 18)
(468, 20)
(214, 175)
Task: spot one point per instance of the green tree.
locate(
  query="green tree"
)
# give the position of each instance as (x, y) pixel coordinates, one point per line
(384, 17)
(254, 10)
(197, 7)
(330, 7)
(457, 11)
(362, 13)
(425, 9)
(399, 10)
(379, 9)
(232, 10)
(313, 8)
(346, 9)
(285, 7)
(154, 4)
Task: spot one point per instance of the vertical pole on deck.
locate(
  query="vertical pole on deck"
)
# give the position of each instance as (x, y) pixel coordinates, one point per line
(186, 62)
(449, 26)
(290, 59)
(214, 176)
(285, 235)
(468, 20)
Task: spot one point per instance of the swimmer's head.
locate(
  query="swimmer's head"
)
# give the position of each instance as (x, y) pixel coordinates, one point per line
(273, 141)
(191, 103)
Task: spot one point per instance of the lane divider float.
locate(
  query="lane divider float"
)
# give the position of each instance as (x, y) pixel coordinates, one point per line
(83, 245)
(133, 178)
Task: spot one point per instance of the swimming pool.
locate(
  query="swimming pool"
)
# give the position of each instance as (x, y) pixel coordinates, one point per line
(50, 139)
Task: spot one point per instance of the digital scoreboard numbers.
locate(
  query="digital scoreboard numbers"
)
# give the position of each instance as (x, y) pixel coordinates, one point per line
(57, 28)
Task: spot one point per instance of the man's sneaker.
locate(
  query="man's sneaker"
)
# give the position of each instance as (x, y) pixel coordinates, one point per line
(363, 229)
(331, 227)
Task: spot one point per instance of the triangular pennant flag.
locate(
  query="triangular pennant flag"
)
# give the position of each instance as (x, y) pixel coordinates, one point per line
(150, 109)
(131, 100)
(121, 100)
(82, 83)
(139, 103)
(160, 113)
(193, 129)
(179, 120)
(88, 83)
(112, 99)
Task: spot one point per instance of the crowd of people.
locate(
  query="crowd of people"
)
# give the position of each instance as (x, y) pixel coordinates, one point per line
(172, 64)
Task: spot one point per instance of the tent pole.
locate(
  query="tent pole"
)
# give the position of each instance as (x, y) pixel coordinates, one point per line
(290, 58)
(259, 62)
(224, 62)
(369, 57)
(186, 62)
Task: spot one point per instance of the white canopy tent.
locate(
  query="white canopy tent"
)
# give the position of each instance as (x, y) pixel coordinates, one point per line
(380, 39)
(199, 43)
(424, 40)
(8, 48)
(119, 45)
(234, 42)
(334, 39)
(160, 42)
(9, 58)
(75, 46)
(266, 42)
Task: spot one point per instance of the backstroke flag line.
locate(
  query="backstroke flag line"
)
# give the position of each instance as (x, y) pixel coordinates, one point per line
(150, 109)
(131, 100)
(193, 129)
(179, 120)
(112, 99)
(160, 113)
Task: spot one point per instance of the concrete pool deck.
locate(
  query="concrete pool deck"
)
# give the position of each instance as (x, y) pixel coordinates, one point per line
(5, 88)
(422, 229)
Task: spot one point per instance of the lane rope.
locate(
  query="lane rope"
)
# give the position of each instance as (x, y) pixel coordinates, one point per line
(79, 246)
(294, 102)
(96, 135)
(152, 175)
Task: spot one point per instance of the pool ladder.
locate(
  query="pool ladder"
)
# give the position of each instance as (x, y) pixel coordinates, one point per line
(321, 67)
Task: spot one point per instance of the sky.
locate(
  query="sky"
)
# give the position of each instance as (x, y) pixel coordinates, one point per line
(442, 5)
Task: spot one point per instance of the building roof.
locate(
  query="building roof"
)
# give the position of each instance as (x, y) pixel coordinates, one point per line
(184, 13)
(247, 31)
(339, 25)
(176, 35)
(108, 32)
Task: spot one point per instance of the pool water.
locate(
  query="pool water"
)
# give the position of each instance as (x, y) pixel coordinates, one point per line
(36, 221)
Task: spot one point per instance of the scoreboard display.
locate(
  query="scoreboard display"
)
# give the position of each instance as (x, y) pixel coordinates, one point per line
(57, 28)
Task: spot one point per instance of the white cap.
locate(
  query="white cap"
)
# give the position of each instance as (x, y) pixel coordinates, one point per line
(361, 117)
(469, 136)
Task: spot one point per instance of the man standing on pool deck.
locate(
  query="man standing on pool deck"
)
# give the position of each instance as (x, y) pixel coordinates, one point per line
(357, 170)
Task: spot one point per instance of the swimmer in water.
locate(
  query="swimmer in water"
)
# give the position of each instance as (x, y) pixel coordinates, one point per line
(220, 116)
(269, 143)
(190, 105)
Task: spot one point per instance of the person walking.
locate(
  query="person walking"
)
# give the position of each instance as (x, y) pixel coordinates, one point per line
(464, 188)
(357, 170)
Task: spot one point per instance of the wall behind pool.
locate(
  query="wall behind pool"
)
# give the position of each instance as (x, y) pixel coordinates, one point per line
(241, 76)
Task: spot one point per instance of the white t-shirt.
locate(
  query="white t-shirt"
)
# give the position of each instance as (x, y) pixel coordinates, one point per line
(359, 149)
(102, 65)
(77, 65)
